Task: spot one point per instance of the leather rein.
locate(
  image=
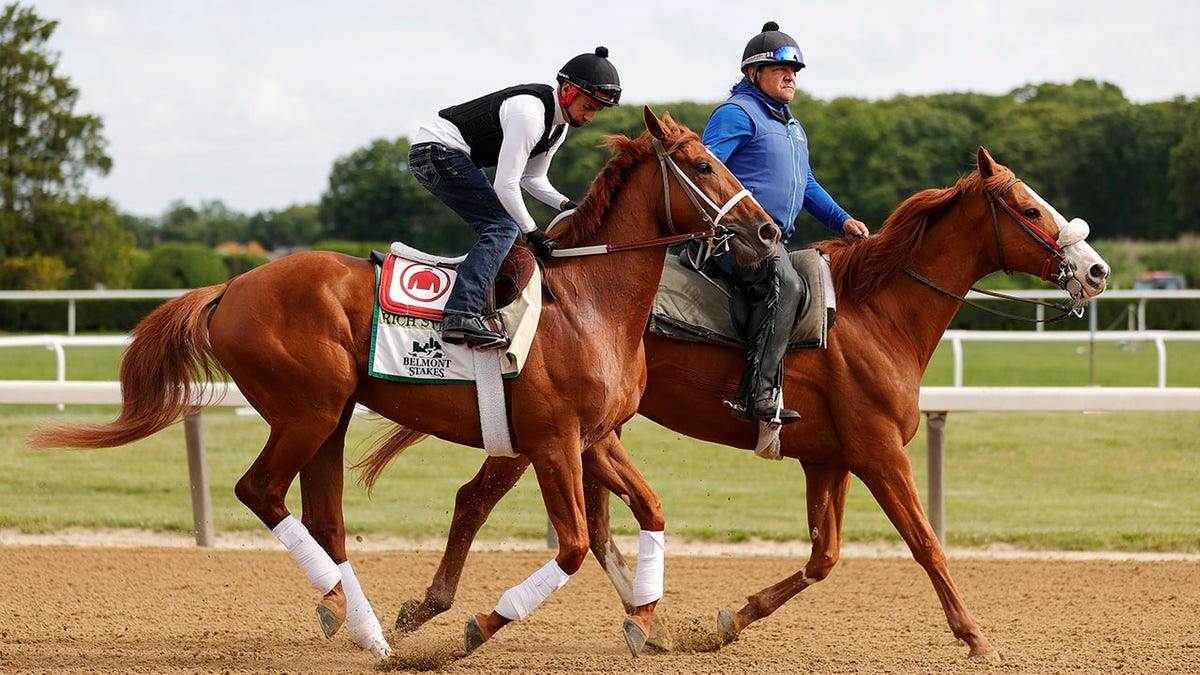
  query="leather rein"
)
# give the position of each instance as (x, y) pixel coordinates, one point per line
(695, 195)
(1054, 254)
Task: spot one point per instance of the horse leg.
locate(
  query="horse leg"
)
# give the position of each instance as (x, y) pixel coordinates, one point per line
(472, 505)
(558, 466)
(263, 490)
(826, 489)
(321, 488)
(607, 468)
(894, 489)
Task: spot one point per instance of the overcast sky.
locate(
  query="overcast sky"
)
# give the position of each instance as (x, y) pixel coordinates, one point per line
(251, 101)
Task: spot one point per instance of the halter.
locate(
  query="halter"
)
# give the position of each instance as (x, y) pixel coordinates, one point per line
(694, 194)
(1065, 277)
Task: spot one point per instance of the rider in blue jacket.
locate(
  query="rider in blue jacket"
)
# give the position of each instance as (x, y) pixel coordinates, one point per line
(755, 134)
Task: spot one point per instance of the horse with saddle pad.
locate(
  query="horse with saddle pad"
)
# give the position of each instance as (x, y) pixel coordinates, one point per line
(896, 293)
(295, 336)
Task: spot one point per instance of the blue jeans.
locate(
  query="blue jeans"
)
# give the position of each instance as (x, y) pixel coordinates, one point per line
(453, 178)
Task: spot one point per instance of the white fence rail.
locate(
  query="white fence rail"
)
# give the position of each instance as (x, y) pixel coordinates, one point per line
(100, 393)
(935, 402)
(1139, 296)
(72, 296)
(956, 338)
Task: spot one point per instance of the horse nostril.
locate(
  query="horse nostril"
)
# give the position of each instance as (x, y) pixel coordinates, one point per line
(769, 233)
(1098, 271)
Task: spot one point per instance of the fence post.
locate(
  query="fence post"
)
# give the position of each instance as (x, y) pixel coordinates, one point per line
(935, 441)
(193, 429)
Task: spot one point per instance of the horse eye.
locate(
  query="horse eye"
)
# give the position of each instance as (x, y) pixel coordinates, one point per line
(704, 168)
(1031, 213)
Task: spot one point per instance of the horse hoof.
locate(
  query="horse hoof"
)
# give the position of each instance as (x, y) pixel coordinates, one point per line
(635, 637)
(475, 635)
(406, 620)
(381, 650)
(330, 622)
(727, 629)
(991, 656)
(659, 638)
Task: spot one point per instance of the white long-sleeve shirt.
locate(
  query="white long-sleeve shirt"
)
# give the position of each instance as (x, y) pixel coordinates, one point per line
(523, 121)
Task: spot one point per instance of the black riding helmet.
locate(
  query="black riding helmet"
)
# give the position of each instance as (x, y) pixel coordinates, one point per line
(595, 76)
(771, 46)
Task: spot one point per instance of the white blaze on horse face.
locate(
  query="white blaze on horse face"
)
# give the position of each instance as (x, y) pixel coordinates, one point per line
(1087, 267)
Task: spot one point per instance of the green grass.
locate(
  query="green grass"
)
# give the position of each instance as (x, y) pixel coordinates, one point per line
(1122, 481)
(984, 363)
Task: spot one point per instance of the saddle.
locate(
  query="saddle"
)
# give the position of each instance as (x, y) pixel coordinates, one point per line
(695, 304)
(515, 273)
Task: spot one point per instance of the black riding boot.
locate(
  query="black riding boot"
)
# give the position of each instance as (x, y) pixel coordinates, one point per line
(773, 297)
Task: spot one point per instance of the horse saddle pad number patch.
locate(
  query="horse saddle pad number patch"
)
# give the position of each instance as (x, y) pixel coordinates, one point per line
(418, 289)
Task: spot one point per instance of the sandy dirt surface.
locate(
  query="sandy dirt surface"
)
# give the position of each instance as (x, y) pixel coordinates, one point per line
(248, 609)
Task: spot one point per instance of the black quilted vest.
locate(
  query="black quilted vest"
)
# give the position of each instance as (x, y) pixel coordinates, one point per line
(479, 122)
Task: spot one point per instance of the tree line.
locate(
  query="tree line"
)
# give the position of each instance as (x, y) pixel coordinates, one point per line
(1131, 170)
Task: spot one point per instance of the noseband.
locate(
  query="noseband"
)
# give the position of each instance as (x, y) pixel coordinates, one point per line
(695, 195)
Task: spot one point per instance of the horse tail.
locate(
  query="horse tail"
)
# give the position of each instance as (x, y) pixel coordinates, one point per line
(163, 375)
(373, 464)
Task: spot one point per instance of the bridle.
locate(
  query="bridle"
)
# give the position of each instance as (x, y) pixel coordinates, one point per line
(716, 231)
(1064, 279)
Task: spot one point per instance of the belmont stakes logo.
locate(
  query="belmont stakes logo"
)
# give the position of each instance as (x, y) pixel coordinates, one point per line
(426, 359)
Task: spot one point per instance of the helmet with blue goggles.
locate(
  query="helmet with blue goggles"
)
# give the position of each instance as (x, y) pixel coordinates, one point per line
(772, 47)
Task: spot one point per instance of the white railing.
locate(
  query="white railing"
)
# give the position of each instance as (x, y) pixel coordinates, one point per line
(102, 393)
(1141, 296)
(72, 296)
(935, 402)
(1049, 295)
(956, 338)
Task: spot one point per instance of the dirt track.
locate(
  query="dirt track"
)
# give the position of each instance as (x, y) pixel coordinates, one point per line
(187, 610)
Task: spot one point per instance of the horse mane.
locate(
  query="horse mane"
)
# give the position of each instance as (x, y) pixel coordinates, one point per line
(627, 154)
(861, 268)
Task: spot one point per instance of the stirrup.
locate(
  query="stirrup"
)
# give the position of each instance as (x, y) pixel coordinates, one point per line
(777, 417)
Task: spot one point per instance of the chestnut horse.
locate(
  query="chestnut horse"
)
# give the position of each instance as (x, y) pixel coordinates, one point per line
(897, 292)
(294, 336)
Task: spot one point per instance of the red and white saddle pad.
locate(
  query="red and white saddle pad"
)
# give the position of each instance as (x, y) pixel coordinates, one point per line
(415, 287)
(406, 341)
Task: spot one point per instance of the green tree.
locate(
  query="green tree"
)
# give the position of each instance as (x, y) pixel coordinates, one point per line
(46, 150)
(144, 230)
(211, 224)
(373, 196)
(1184, 173)
(181, 223)
(297, 225)
(181, 265)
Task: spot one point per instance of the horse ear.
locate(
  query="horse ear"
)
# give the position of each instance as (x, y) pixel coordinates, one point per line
(653, 124)
(987, 165)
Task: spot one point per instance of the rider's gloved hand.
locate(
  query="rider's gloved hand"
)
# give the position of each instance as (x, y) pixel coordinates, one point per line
(544, 244)
(568, 205)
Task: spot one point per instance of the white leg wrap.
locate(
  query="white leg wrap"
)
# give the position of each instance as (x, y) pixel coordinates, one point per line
(518, 601)
(648, 581)
(361, 622)
(322, 572)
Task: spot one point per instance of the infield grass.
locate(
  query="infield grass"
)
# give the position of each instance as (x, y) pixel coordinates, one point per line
(1121, 481)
